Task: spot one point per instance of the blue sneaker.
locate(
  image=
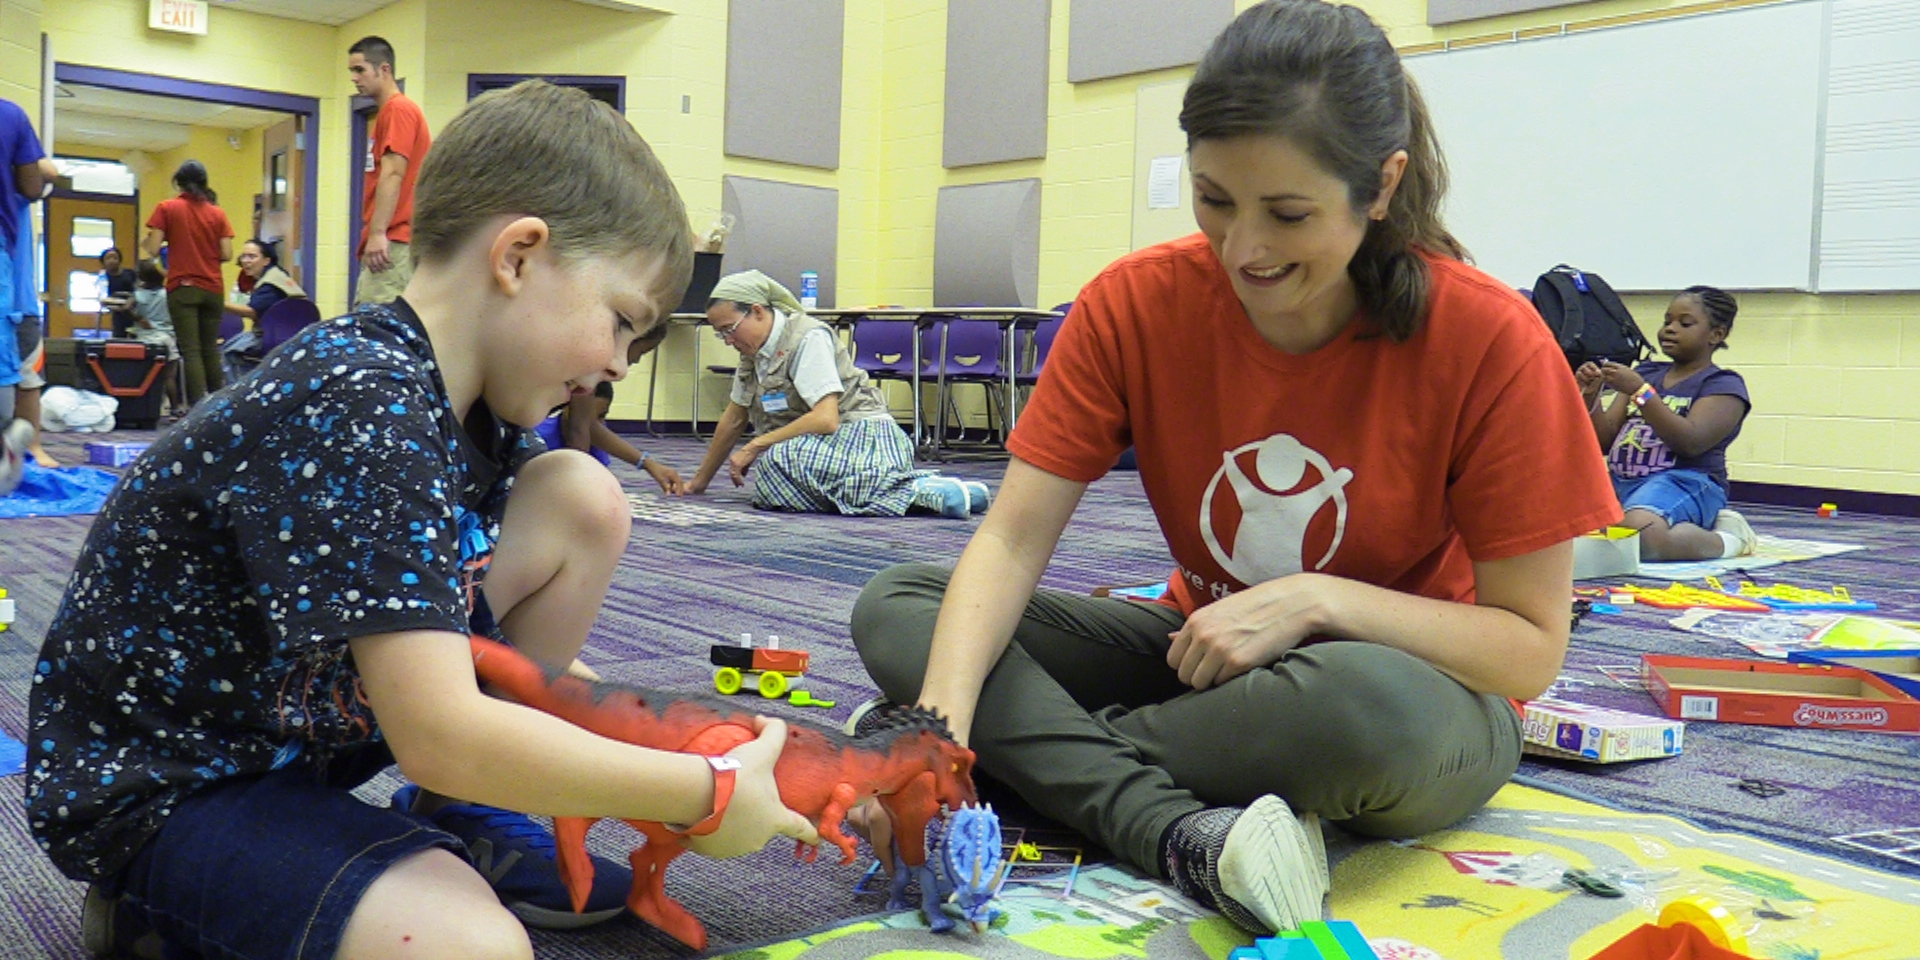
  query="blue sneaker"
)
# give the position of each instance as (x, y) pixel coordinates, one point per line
(978, 496)
(942, 495)
(518, 859)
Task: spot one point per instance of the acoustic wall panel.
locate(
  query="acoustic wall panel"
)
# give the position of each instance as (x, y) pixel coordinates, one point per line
(1456, 11)
(783, 80)
(783, 229)
(986, 245)
(996, 106)
(1113, 38)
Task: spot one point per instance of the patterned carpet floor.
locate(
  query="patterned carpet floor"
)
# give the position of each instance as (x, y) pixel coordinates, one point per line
(706, 570)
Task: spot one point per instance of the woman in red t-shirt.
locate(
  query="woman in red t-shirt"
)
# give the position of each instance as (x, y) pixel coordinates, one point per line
(1368, 460)
(198, 239)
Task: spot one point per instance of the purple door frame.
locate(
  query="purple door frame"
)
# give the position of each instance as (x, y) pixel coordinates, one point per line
(308, 107)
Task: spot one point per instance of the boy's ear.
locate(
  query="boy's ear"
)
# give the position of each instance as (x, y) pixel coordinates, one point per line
(512, 250)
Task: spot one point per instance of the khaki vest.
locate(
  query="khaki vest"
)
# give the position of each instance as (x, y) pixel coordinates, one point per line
(859, 398)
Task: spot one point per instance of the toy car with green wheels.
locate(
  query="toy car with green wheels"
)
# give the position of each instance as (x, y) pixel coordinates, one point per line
(774, 669)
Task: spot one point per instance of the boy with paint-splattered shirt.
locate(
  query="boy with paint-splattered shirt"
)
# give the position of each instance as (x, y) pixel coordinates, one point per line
(275, 604)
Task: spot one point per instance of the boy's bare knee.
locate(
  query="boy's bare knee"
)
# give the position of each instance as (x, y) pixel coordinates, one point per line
(586, 493)
(433, 906)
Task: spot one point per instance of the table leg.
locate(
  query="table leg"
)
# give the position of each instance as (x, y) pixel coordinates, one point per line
(693, 405)
(653, 377)
(918, 438)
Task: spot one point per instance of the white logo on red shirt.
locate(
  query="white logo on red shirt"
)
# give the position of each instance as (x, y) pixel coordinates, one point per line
(1271, 535)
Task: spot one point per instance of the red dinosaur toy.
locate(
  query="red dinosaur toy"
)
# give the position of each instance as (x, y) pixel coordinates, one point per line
(912, 766)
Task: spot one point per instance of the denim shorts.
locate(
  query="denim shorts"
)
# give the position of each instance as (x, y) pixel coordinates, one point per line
(271, 866)
(1677, 496)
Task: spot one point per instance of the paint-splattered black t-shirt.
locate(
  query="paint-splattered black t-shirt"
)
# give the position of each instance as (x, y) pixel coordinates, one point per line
(333, 494)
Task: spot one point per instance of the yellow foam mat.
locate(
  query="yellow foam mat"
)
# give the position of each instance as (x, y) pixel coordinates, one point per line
(1490, 888)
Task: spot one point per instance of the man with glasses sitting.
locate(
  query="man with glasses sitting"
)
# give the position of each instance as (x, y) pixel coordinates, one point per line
(823, 437)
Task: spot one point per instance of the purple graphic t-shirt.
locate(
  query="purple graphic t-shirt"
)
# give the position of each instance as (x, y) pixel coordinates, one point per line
(1639, 452)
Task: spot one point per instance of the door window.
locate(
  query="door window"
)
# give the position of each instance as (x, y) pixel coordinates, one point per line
(83, 291)
(91, 236)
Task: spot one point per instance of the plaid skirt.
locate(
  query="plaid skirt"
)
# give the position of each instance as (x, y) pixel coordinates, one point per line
(865, 468)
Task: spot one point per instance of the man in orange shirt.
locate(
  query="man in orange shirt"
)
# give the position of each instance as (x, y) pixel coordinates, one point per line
(395, 148)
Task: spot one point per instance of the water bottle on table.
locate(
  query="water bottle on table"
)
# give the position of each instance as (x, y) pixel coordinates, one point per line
(809, 290)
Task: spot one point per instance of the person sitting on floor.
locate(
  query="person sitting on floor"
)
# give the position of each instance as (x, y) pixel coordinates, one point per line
(1667, 444)
(823, 436)
(581, 424)
(1367, 458)
(152, 324)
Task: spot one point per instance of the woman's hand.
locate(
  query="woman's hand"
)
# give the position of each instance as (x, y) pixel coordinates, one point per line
(1591, 379)
(667, 477)
(1251, 629)
(755, 815)
(1621, 378)
(742, 459)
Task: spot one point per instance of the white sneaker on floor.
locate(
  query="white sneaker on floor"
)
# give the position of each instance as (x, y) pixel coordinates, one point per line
(1736, 526)
(1275, 864)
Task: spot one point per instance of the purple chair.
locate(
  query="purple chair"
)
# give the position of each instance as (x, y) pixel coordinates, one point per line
(965, 351)
(285, 319)
(1039, 344)
(230, 325)
(883, 348)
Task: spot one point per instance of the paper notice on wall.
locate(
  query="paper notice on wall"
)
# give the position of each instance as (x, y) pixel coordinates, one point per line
(1163, 183)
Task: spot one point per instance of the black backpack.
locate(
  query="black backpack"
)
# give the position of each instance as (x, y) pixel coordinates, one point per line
(1588, 319)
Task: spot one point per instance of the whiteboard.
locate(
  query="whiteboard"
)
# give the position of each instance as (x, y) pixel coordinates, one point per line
(1658, 155)
(1870, 206)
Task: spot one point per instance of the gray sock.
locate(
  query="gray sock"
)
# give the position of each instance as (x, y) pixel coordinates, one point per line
(1191, 850)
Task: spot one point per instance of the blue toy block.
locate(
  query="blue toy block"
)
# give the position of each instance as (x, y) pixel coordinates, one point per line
(1351, 941)
(1337, 940)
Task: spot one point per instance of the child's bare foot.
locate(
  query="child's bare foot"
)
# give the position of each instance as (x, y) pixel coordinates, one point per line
(40, 456)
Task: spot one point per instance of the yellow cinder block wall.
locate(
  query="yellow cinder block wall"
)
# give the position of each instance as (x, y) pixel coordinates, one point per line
(233, 173)
(240, 49)
(1835, 378)
(1831, 374)
(20, 55)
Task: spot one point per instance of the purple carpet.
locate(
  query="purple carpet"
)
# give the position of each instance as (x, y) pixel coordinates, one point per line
(705, 570)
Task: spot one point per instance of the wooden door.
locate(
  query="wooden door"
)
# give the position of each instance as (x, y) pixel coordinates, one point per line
(79, 227)
(283, 166)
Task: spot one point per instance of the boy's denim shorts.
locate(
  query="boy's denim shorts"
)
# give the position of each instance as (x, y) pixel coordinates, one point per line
(272, 866)
(1677, 496)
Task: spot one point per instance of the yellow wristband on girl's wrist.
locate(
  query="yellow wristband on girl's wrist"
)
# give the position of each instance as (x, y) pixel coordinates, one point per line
(1644, 396)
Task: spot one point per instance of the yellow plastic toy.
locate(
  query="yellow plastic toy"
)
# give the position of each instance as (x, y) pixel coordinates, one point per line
(1710, 917)
(1680, 596)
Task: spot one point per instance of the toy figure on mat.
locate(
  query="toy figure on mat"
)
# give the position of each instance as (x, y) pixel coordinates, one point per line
(1368, 459)
(911, 767)
(823, 437)
(581, 424)
(334, 529)
(1668, 429)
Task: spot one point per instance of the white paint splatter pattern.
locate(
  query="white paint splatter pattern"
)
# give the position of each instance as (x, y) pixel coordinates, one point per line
(203, 634)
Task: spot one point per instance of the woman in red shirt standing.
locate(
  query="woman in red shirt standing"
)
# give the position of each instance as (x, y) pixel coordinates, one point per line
(1368, 460)
(198, 239)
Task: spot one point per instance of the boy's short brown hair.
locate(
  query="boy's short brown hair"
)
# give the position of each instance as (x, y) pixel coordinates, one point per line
(540, 150)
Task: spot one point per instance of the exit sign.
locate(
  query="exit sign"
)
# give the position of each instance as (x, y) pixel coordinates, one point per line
(178, 16)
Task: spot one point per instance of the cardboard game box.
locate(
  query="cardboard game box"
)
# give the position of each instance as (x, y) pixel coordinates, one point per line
(1772, 694)
(1576, 731)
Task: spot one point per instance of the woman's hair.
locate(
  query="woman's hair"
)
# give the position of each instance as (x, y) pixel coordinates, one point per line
(1720, 307)
(150, 275)
(1325, 78)
(539, 150)
(268, 250)
(191, 178)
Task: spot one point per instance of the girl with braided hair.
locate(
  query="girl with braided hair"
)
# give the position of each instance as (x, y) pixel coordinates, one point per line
(1667, 430)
